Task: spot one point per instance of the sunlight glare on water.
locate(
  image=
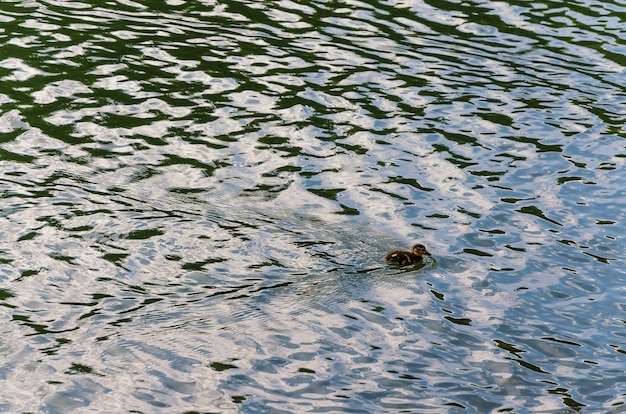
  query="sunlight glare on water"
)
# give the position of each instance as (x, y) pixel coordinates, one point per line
(197, 197)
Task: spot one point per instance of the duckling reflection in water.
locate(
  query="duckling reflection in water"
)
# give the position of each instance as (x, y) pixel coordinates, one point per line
(402, 258)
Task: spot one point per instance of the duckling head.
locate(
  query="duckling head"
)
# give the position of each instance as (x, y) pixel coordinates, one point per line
(420, 250)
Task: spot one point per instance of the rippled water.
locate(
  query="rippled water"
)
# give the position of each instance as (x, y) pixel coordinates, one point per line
(196, 197)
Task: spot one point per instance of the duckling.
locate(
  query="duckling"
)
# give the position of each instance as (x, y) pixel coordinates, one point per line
(402, 258)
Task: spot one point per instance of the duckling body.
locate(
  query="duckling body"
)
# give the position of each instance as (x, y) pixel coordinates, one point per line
(402, 258)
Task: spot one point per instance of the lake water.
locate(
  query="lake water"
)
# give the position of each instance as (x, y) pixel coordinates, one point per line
(196, 197)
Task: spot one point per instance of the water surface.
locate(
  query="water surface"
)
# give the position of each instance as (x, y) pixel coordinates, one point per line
(197, 197)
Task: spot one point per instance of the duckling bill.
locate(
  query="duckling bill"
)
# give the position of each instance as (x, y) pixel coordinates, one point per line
(402, 258)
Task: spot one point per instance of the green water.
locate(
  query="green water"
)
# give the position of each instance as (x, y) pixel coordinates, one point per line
(196, 198)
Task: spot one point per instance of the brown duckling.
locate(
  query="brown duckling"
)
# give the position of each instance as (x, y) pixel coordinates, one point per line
(416, 255)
